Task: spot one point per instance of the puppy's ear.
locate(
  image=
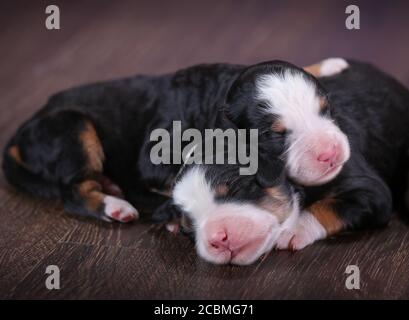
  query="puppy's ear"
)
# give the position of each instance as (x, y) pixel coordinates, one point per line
(240, 98)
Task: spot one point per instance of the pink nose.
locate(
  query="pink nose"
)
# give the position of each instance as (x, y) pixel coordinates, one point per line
(328, 156)
(235, 238)
(219, 240)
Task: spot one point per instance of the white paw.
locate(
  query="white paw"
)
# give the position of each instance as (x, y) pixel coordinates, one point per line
(119, 210)
(331, 66)
(305, 231)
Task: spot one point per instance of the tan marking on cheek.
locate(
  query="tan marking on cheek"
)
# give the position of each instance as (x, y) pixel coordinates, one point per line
(323, 103)
(91, 193)
(92, 148)
(325, 214)
(278, 126)
(314, 69)
(276, 194)
(277, 203)
(14, 152)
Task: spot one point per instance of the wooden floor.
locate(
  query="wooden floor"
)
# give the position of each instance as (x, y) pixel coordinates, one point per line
(107, 39)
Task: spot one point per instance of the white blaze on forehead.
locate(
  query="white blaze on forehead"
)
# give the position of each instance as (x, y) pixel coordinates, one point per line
(194, 194)
(291, 96)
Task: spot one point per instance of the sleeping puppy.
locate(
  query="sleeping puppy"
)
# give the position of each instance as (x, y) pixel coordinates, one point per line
(232, 218)
(235, 219)
(90, 146)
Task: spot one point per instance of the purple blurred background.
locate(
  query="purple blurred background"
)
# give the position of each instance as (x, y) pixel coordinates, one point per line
(100, 40)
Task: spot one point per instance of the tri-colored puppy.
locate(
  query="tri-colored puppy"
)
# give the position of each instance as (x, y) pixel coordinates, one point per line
(90, 146)
(235, 219)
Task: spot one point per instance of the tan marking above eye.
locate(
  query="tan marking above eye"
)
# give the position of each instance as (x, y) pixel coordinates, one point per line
(14, 152)
(278, 126)
(221, 189)
(323, 103)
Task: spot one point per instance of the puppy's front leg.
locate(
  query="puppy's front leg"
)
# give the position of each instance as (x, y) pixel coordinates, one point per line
(358, 200)
(327, 67)
(317, 222)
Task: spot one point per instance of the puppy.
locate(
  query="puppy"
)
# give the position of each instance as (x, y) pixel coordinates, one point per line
(90, 146)
(235, 220)
(231, 217)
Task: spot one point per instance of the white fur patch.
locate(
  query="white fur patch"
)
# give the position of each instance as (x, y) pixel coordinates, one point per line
(332, 66)
(303, 233)
(292, 97)
(193, 194)
(120, 210)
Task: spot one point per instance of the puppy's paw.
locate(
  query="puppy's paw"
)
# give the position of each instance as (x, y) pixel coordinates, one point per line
(305, 231)
(169, 215)
(283, 242)
(119, 210)
(332, 66)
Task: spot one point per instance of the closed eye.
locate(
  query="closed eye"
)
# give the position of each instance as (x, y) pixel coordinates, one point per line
(280, 134)
(326, 112)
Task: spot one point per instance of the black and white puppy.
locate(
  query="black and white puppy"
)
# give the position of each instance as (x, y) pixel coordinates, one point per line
(235, 220)
(90, 146)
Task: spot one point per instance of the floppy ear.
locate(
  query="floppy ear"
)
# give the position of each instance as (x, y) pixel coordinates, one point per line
(240, 97)
(236, 107)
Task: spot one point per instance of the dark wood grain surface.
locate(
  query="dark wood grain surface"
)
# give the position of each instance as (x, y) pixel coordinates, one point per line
(101, 40)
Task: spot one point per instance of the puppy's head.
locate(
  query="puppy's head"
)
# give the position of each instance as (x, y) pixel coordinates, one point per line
(233, 219)
(290, 109)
